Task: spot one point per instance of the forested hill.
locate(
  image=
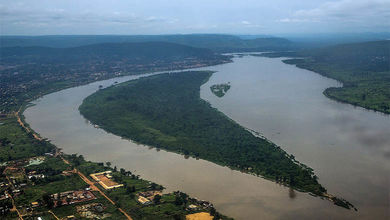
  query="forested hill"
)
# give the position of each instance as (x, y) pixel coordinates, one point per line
(215, 42)
(366, 56)
(363, 68)
(142, 52)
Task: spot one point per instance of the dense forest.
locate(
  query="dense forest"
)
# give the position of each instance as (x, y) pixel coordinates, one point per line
(363, 68)
(166, 112)
(17, 143)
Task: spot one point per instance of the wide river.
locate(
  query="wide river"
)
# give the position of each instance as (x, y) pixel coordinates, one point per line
(348, 147)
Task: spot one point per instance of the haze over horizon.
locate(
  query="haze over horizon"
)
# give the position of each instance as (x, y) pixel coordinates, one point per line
(44, 17)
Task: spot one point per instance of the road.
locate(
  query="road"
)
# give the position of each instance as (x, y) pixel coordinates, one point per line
(82, 176)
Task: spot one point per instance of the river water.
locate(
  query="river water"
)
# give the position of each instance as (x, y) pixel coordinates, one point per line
(348, 147)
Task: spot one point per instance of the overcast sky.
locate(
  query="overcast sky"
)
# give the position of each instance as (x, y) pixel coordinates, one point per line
(42, 17)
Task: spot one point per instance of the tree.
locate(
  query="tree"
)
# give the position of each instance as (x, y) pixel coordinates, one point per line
(217, 216)
(108, 164)
(178, 200)
(59, 202)
(130, 189)
(157, 199)
(48, 201)
(212, 211)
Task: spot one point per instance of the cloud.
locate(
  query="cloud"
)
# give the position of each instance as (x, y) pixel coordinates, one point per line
(62, 17)
(346, 11)
(294, 20)
(248, 24)
(190, 16)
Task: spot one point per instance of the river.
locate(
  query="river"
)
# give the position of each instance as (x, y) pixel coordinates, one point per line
(348, 147)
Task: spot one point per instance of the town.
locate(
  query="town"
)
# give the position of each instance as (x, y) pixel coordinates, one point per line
(54, 185)
(24, 80)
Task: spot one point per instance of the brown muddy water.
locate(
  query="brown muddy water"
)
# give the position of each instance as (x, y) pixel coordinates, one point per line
(348, 147)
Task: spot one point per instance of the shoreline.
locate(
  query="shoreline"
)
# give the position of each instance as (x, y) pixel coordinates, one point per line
(59, 154)
(337, 201)
(289, 60)
(20, 119)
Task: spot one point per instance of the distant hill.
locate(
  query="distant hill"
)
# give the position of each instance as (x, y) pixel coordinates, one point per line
(305, 40)
(216, 42)
(27, 72)
(365, 56)
(142, 52)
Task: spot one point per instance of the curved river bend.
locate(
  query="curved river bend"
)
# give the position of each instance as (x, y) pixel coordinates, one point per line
(348, 147)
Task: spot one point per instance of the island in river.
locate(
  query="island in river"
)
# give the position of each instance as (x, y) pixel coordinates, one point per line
(220, 89)
(165, 111)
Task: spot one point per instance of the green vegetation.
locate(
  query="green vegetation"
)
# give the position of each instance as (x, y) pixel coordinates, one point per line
(16, 143)
(165, 111)
(29, 72)
(363, 68)
(220, 89)
(168, 206)
(66, 210)
(32, 186)
(36, 192)
(216, 42)
(106, 52)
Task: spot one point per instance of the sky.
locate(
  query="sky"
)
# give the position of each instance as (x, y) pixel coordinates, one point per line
(130, 17)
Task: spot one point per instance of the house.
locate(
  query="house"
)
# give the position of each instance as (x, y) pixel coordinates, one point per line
(105, 180)
(192, 207)
(143, 200)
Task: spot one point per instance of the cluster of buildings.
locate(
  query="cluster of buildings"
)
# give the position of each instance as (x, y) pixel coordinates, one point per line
(105, 180)
(19, 80)
(92, 211)
(71, 197)
(146, 198)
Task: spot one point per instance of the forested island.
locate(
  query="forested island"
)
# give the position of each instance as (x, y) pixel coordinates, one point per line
(220, 89)
(166, 111)
(37, 179)
(363, 68)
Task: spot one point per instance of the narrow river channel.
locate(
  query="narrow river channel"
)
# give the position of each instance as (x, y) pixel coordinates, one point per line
(348, 147)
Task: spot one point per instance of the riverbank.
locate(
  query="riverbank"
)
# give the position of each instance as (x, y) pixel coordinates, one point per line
(194, 129)
(356, 93)
(57, 168)
(362, 68)
(310, 129)
(119, 201)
